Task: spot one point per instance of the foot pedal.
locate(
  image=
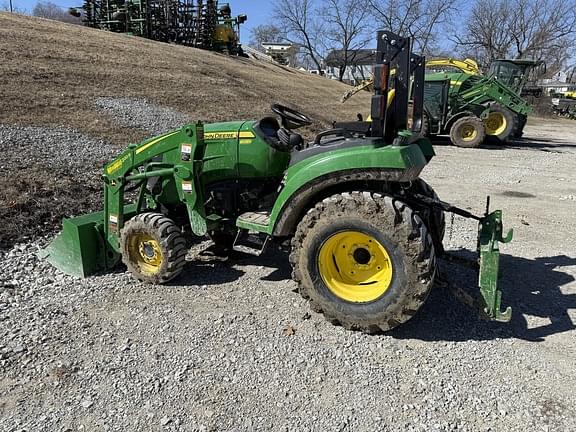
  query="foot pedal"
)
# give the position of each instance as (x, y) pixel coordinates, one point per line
(250, 243)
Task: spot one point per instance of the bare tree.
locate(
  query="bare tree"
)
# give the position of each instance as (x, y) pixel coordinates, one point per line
(419, 19)
(49, 10)
(347, 29)
(264, 33)
(8, 6)
(537, 29)
(299, 20)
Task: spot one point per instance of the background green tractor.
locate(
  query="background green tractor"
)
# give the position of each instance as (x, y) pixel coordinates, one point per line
(472, 107)
(520, 75)
(455, 101)
(364, 231)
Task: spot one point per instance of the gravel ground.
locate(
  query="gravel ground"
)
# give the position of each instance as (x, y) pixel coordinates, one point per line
(139, 113)
(42, 166)
(231, 346)
(53, 146)
(47, 173)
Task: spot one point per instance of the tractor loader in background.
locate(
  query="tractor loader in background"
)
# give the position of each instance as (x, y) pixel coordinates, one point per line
(363, 229)
(469, 107)
(466, 65)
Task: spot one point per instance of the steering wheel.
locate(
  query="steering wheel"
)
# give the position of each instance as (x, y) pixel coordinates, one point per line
(291, 119)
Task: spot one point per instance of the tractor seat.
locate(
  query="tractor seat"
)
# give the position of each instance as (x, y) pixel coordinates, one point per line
(290, 140)
(276, 137)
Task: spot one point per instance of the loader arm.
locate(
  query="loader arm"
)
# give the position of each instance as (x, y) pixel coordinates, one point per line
(184, 151)
(90, 243)
(489, 89)
(467, 65)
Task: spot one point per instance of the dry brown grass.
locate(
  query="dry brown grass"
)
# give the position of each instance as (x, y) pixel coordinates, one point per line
(51, 73)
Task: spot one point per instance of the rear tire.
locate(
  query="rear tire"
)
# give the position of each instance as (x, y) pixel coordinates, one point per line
(467, 132)
(388, 247)
(425, 130)
(153, 248)
(434, 218)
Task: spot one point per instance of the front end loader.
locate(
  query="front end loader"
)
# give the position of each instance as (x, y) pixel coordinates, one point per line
(363, 229)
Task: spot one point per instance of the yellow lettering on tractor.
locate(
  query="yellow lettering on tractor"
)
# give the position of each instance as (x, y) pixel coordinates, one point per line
(228, 135)
(117, 164)
(220, 135)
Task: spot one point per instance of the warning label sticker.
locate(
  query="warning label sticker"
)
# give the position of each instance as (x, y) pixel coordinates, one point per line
(187, 186)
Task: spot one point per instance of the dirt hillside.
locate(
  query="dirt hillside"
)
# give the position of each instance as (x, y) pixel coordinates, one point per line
(52, 72)
(55, 75)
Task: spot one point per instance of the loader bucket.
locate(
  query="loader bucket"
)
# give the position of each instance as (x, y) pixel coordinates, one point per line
(79, 250)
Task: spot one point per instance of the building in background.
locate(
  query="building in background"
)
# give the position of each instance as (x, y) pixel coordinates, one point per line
(357, 65)
(283, 53)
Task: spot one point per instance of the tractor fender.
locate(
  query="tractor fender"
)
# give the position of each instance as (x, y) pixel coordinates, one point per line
(312, 180)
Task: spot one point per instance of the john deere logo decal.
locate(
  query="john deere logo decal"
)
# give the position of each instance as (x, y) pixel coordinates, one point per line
(227, 135)
(220, 135)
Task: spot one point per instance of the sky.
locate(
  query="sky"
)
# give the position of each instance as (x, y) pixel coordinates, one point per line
(258, 11)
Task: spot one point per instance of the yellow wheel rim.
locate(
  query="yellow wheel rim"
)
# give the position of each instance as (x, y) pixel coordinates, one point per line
(145, 252)
(468, 132)
(495, 123)
(355, 266)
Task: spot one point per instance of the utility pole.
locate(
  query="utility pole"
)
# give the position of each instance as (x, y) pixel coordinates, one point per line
(10, 6)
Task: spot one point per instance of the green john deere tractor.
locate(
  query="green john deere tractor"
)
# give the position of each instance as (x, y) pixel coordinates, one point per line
(470, 108)
(519, 74)
(365, 232)
(460, 103)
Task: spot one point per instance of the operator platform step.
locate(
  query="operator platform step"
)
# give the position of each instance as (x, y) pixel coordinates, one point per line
(252, 243)
(261, 218)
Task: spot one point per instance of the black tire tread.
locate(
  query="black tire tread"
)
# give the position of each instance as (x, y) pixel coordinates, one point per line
(172, 243)
(439, 224)
(511, 119)
(417, 243)
(519, 123)
(478, 125)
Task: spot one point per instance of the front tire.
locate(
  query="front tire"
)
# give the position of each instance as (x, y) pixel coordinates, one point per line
(467, 132)
(153, 248)
(364, 260)
(519, 123)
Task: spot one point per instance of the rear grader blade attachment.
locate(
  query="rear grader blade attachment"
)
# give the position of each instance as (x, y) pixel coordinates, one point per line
(79, 250)
(487, 263)
(489, 236)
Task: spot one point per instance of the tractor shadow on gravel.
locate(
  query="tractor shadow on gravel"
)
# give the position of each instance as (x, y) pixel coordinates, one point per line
(207, 273)
(542, 144)
(275, 259)
(533, 287)
(217, 272)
